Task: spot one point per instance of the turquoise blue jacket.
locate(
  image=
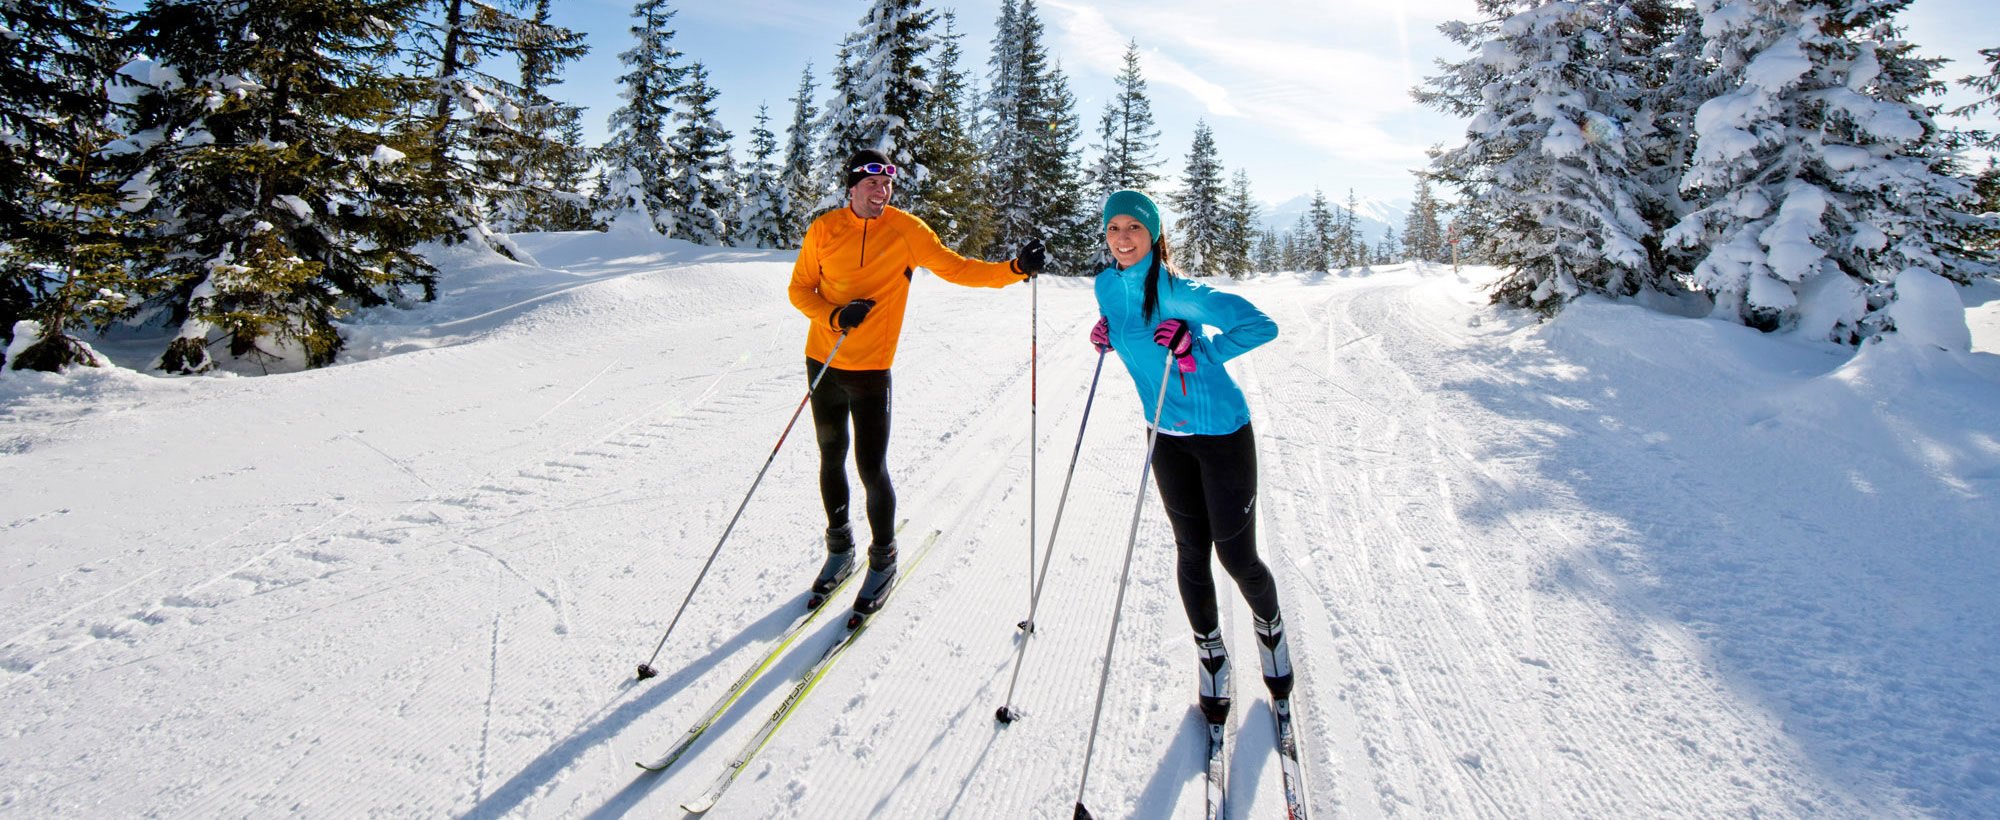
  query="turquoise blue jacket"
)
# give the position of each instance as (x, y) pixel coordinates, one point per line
(1212, 404)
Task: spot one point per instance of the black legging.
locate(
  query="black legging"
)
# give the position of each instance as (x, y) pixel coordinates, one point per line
(1209, 487)
(863, 397)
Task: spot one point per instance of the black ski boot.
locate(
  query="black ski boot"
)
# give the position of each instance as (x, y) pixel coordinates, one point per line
(839, 564)
(1276, 653)
(881, 579)
(1214, 676)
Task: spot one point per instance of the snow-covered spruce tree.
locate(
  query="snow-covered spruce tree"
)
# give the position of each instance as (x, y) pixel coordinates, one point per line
(1388, 251)
(1034, 168)
(1347, 239)
(1128, 139)
(1817, 174)
(1299, 255)
(797, 181)
(1986, 201)
(761, 207)
(1067, 220)
(953, 202)
(889, 90)
(280, 202)
(1269, 254)
(478, 129)
(839, 132)
(67, 246)
(554, 198)
(634, 161)
(1239, 227)
(544, 174)
(703, 185)
(1201, 239)
(1555, 142)
(1987, 85)
(1318, 237)
(1423, 234)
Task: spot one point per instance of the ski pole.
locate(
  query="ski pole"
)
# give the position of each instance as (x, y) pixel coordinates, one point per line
(1034, 441)
(1118, 606)
(1007, 713)
(646, 669)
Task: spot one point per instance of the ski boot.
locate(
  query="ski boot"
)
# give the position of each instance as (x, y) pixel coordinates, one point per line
(839, 564)
(876, 587)
(1214, 676)
(1276, 654)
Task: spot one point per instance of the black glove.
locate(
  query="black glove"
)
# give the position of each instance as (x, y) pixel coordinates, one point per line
(1032, 258)
(850, 317)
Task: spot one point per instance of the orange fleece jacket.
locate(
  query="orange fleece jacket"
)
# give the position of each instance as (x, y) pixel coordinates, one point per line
(846, 257)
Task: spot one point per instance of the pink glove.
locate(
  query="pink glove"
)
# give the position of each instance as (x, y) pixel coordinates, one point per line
(1173, 335)
(1100, 336)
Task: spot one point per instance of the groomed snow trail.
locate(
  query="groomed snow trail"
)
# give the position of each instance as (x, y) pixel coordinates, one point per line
(417, 585)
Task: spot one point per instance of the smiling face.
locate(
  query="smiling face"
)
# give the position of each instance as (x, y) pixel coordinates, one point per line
(1128, 240)
(869, 196)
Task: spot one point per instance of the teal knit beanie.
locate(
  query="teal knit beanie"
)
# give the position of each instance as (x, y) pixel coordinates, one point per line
(1135, 205)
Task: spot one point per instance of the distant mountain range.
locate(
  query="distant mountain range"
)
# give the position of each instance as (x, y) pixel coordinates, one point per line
(1375, 216)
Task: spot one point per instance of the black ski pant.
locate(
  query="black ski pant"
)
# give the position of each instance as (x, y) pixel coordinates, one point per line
(859, 398)
(1209, 487)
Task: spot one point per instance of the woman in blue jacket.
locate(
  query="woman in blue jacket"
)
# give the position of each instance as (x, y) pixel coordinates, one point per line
(1205, 458)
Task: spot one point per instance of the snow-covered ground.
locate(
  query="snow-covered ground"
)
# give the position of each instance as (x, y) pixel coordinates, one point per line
(1621, 564)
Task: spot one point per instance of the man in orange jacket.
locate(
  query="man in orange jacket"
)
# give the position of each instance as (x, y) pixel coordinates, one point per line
(852, 279)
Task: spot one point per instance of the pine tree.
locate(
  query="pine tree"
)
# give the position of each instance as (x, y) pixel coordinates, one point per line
(1819, 178)
(1126, 135)
(635, 160)
(1985, 235)
(1268, 253)
(1299, 247)
(281, 204)
(66, 239)
(839, 128)
(798, 180)
(1555, 144)
(1239, 220)
(545, 175)
(1988, 86)
(1347, 233)
(1034, 169)
(481, 130)
(757, 220)
(952, 201)
(1318, 229)
(1423, 235)
(1388, 251)
(703, 185)
(890, 89)
(1201, 247)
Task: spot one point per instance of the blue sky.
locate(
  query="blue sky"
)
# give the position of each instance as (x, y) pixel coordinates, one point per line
(1302, 94)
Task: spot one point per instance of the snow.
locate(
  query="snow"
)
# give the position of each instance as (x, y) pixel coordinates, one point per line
(1621, 563)
(1929, 312)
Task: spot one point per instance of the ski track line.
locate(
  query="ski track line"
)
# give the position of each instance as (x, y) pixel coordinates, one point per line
(965, 498)
(468, 501)
(1478, 740)
(1668, 793)
(1509, 557)
(151, 617)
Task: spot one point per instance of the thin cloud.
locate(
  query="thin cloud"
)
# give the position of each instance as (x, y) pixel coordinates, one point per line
(1271, 63)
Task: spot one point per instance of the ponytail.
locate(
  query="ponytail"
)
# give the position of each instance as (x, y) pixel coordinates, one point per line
(1152, 302)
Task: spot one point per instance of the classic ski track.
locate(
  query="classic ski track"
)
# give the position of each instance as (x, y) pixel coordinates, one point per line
(1427, 752)
(465, 508)
(484, 496)
(1428, 570)
(978, 473)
